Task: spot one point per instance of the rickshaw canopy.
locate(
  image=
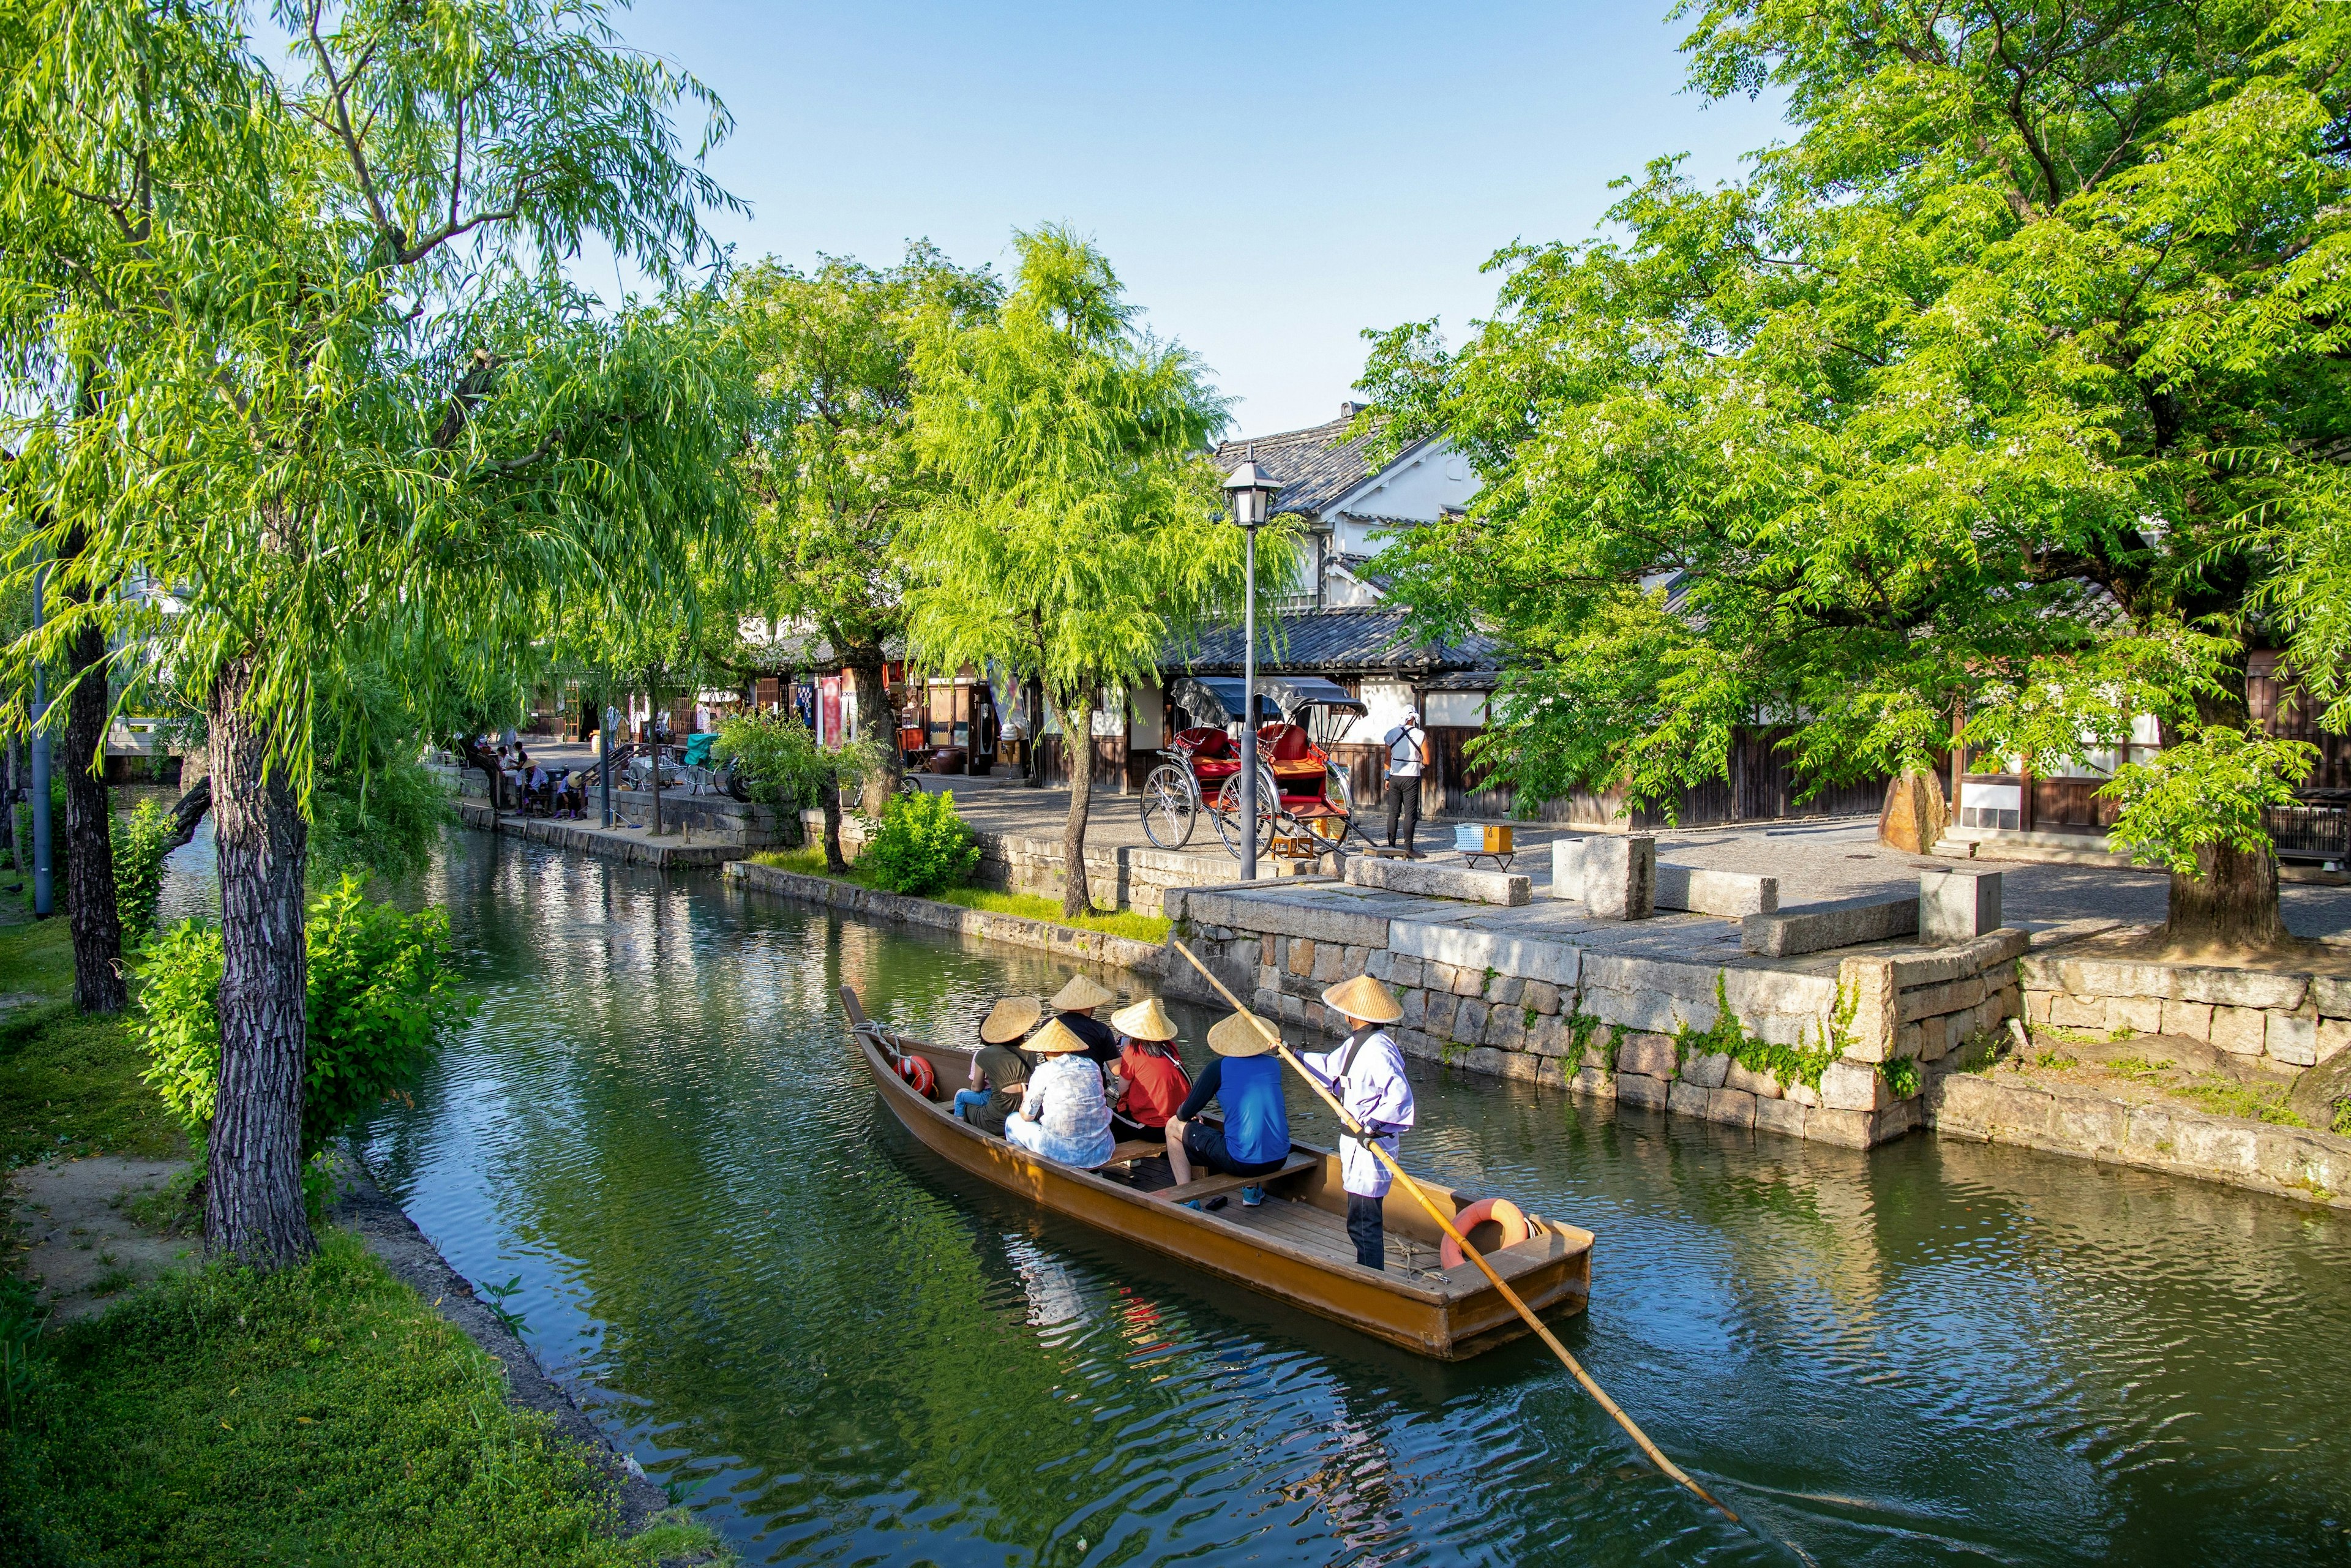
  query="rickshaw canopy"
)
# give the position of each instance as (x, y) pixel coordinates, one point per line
(1218, 699)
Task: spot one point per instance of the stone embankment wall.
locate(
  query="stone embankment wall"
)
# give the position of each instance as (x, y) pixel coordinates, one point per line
(1062, 941)
(1868, 1031)
(2295, 1020)
(1123, 878)
(671, 854)
(2056, 1118)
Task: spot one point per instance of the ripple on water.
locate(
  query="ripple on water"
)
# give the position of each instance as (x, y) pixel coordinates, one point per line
(849, 1352)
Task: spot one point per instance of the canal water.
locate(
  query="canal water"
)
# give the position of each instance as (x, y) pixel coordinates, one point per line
(838, 1351)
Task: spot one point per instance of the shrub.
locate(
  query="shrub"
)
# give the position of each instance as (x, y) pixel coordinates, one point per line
(380, 1001)
(383, 820)
(140, 841)
(922, 845)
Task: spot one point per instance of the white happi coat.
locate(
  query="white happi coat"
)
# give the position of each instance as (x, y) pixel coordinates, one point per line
(1374, 1089)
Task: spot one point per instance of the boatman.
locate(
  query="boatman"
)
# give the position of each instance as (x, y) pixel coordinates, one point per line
(1365, 1074)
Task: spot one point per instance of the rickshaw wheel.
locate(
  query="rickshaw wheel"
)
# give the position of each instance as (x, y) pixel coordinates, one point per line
(1337, 791)
(1228, 811)
(1171, 806)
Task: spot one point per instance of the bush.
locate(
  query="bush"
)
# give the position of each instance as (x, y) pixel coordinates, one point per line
(384, 820)
(921, 847)
(380, 1001)
(140, 841)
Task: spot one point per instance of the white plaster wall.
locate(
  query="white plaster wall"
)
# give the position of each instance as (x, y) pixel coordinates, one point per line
(1386, 701)
(1420, 486)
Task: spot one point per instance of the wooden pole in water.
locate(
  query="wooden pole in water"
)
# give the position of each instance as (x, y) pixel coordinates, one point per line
(1657, 1456)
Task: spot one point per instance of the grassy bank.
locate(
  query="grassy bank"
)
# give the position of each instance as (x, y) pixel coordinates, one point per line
(321, 1415)
(810, 861)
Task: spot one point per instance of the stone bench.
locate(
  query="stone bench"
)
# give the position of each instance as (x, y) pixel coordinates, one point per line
(1815, 927)
(1730, 893)
(1509, 888)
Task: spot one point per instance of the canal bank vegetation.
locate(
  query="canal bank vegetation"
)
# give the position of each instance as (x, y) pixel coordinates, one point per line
(1126, 922)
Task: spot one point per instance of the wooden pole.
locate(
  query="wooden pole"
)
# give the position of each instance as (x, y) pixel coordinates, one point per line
(1657, 1456)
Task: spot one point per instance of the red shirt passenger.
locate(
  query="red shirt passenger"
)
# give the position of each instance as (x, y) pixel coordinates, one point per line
(1156, 1080)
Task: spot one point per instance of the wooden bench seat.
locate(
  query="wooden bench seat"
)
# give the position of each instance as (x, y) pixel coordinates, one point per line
(1209, 1187)
(1134, 1149)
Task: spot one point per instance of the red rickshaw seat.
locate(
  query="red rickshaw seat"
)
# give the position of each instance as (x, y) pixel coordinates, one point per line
(1211, 751)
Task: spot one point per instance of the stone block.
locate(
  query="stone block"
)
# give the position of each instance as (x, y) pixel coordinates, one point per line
(1594, 1080)
(1541, 996)
(1894, 1122)
(1948, 996)
(1518, 1064)
(1381, 964)
(1958, 904)
(1801, 1093)
(1640, 1089)
(1470, 1021)
(1329, 965)
(1730, 894)
(1734, 1106)
(1506, 1027)
(1548, 1037)
(2244, 988)
(1845, 1129)
(1469, 982)
(1761, 1085)
(1482, 1059)
(1935, 1036)
(1357, 960)
(2192, 1019)
(2070, 1011)
(1754, 992)
(1620, 877)
(2140, 1015)
(1415, 1008)
(2241, 1031)
(2334, 1039)
(1404, 970)
(1301, 957)
(1648, 1054)
(2036, 1007)
(2292, 1039)
(1560, 963)
(1785, 1117)
(1567, 868)
(1428, 880)
(1284, 914)
(1420, 1043)
(1440, 976)
(1817, 927)
(1707, 1070)
(1685, 1098)
(2331, 995)
(2089, 1122)
(1293, 1009)
(2229, 1146)
(2148, 1127)
(1504, 990)
(1873, 991)
(1438, 1016)
(1849, 1085)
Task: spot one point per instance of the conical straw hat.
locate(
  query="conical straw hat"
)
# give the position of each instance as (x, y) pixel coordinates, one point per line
(1010, 1018)
(1082, 992)
(1366, 999)
(1146, 1020)
(1241, 1034)
(1054, 1040)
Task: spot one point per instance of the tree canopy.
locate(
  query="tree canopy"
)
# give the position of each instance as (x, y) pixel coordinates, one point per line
(2010, 388)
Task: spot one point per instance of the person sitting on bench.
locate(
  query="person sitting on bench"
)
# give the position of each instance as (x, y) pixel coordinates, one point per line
(1155, 1078)
(1065, 1116)
(1245, 1078)
(1000, 1073)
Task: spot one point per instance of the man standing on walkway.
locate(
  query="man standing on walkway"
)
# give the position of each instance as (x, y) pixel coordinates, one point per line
(1407, 745)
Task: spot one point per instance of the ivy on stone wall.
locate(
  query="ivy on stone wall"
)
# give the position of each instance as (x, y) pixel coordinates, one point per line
(1786, 1063)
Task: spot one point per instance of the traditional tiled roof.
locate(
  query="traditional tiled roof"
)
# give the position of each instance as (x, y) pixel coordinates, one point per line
(1338, 641)
(1314, 467)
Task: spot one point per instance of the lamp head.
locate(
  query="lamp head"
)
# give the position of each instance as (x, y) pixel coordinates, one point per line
(1252, 490)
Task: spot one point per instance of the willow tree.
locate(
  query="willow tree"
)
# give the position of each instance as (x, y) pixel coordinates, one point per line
(1077, 535)
(351, 407)
(831, 461)
(2012, 388)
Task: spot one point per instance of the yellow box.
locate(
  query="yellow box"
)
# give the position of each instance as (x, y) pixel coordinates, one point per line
(1497, 840)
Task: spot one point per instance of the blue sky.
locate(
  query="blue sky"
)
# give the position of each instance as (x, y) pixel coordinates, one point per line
(1268, 180)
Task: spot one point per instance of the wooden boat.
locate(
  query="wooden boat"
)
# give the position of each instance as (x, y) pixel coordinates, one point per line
(1293, 1248)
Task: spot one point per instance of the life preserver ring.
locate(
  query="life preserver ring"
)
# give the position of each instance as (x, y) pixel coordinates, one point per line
(916, 1072)
(1502, 1212)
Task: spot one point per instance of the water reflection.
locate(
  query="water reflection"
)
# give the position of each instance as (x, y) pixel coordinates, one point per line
(853, 1353)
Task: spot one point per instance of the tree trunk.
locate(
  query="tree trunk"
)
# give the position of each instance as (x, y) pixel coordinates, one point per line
(252, 1205)
(878, 724)
(829, 797)
(194, 802)
(89, 841)
(2232, 902)
(1035, 778)
(1078, 741)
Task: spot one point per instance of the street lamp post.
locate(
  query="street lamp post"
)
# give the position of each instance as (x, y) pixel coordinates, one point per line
(1252, 490)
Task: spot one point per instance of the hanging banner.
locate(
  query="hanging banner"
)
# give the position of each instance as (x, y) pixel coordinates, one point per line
(828, 694)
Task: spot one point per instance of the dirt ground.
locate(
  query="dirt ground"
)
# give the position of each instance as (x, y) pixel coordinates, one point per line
(73, 1238)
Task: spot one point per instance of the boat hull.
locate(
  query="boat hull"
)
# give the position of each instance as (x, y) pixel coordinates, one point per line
(1452, 1316)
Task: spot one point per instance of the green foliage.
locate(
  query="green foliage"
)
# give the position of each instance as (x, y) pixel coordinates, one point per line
(2008, 384)
(140, 841)
(69, 1081)
(2208, 789)
(1127, 923)
(1581, 1026)
(1901, 1075)
(921, 847)
(1727, 1037)
(230, 1417)
(2340, 1124)
(380, 1001)
(781, 760)
(384, 820)
(2258, 1103)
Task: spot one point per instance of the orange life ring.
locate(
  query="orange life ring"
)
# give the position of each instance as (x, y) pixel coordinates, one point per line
(1502, 1212)
(916, 1070)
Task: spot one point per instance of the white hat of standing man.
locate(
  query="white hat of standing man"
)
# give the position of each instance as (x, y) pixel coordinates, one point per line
(1364, 1000)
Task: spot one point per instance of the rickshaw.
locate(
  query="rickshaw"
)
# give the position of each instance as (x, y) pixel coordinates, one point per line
(1301, 789)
